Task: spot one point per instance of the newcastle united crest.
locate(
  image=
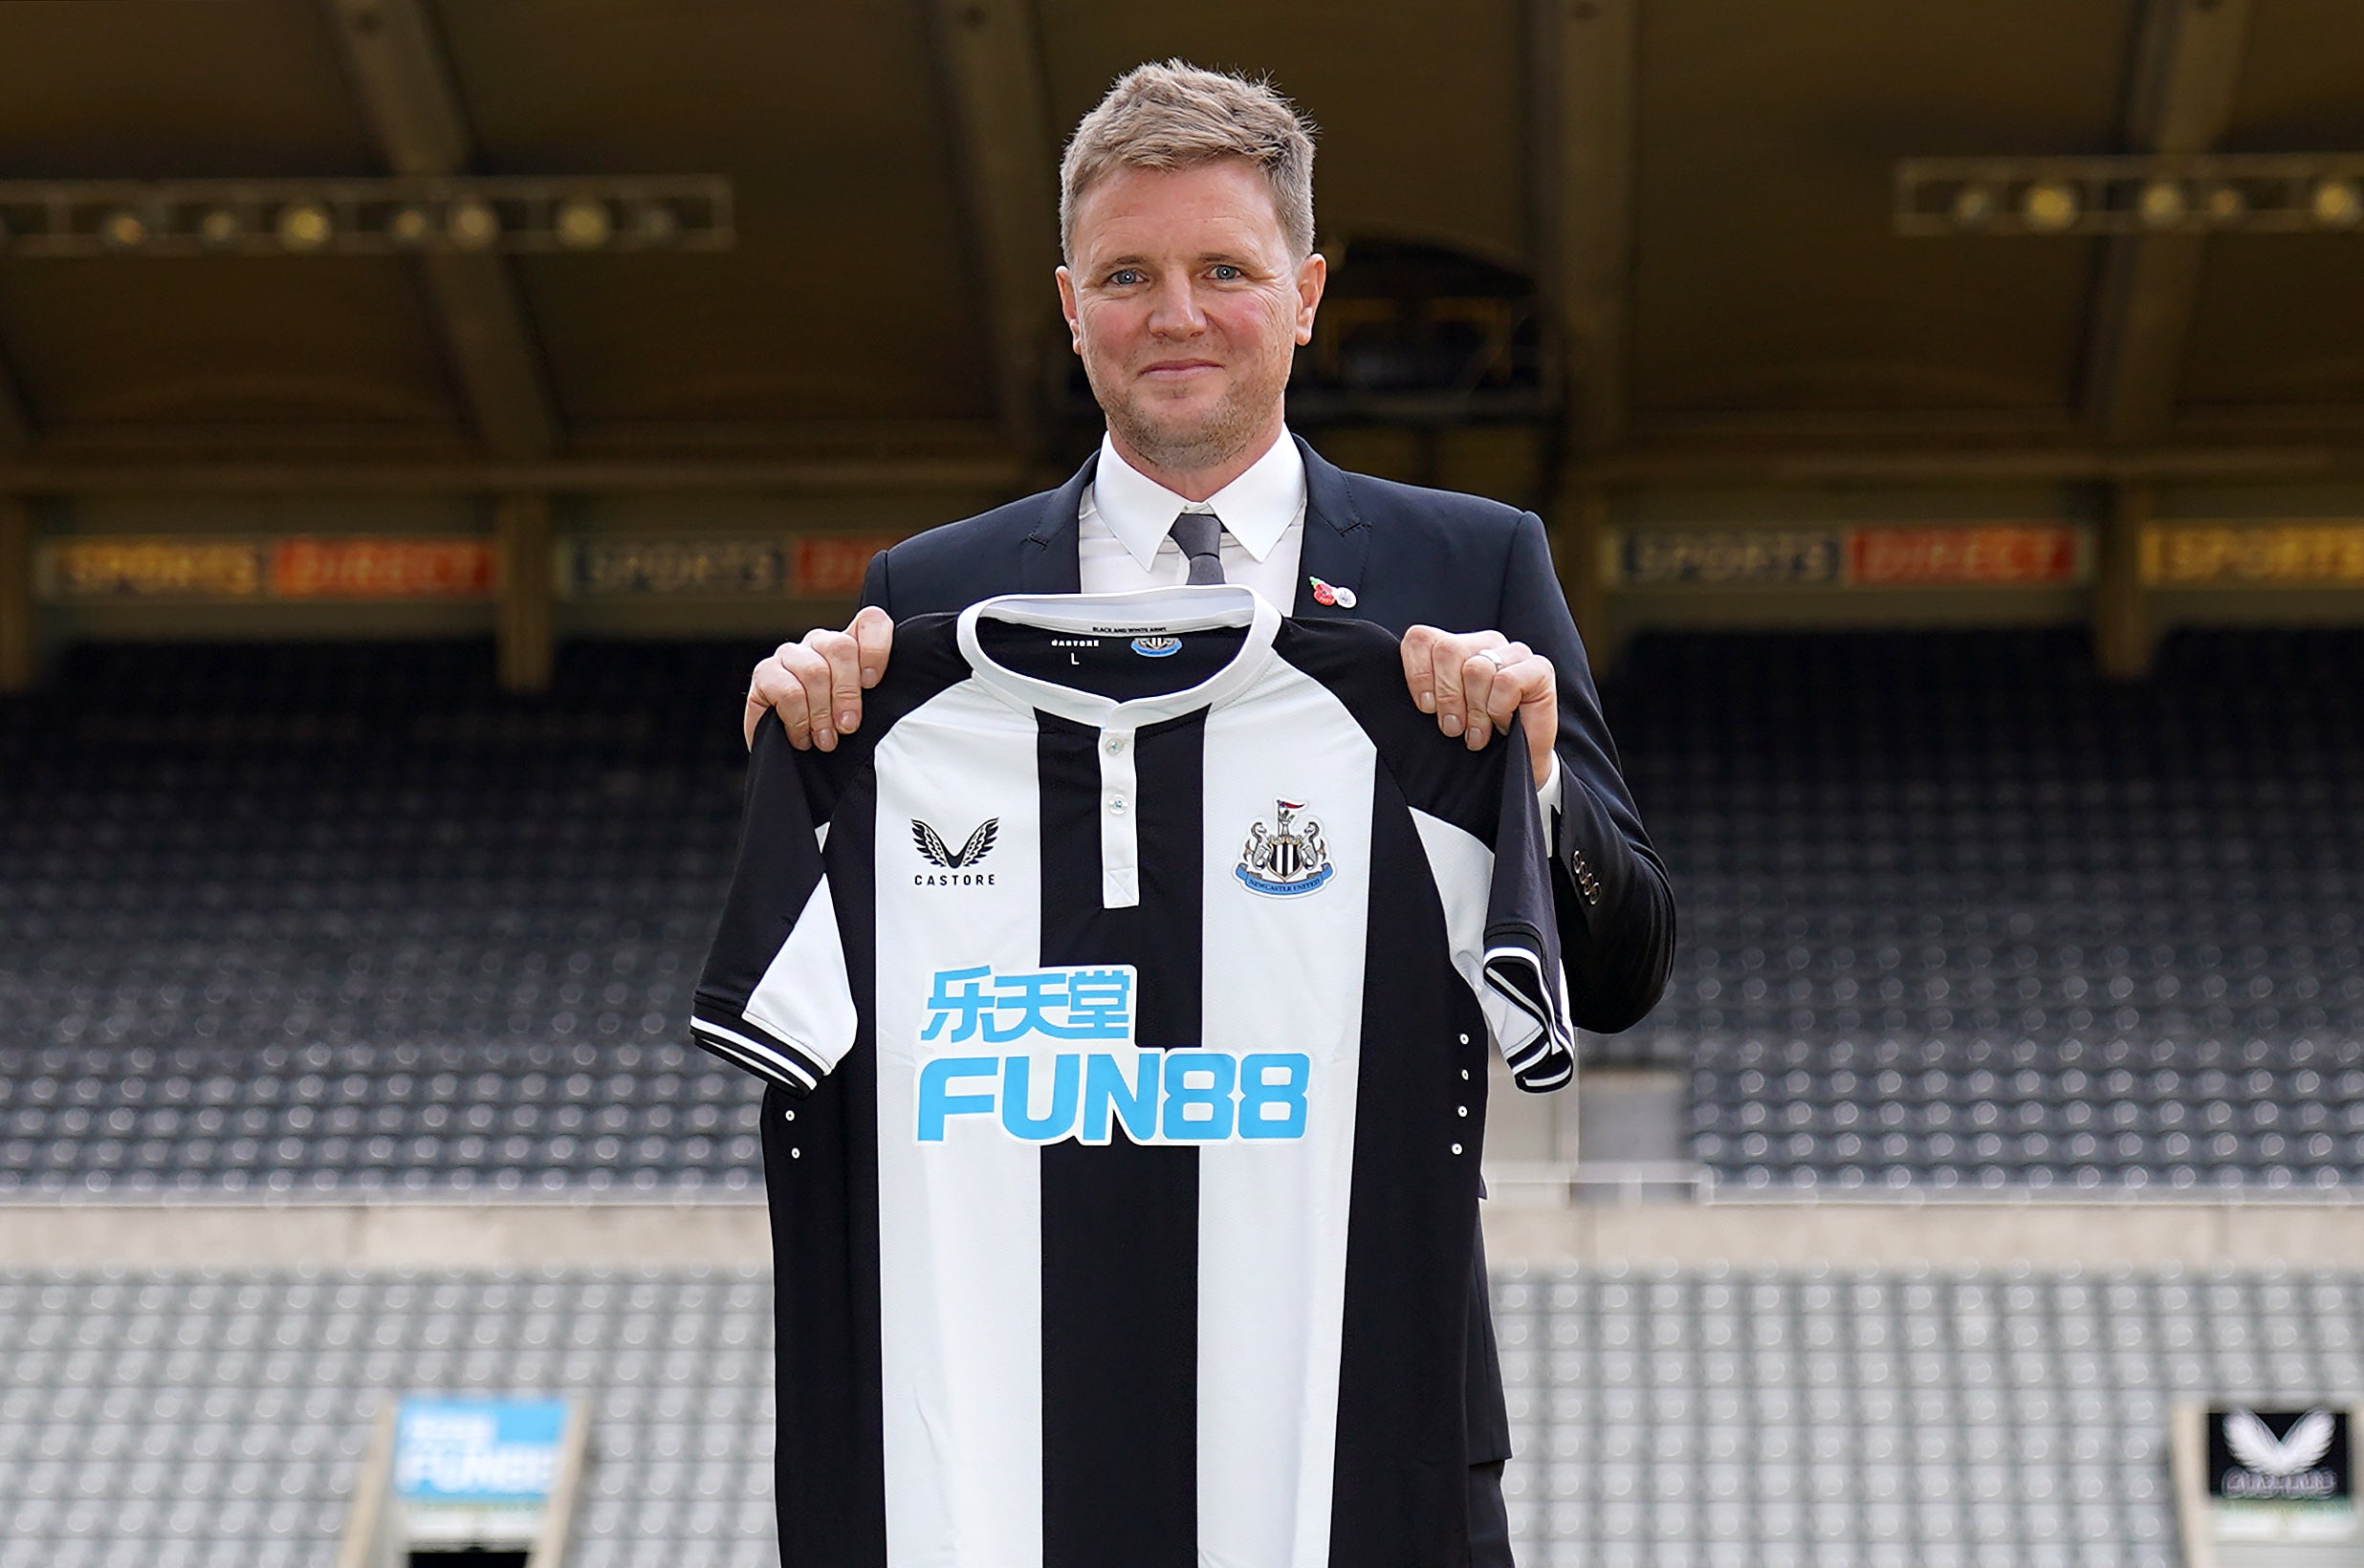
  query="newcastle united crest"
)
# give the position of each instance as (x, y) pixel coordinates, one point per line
(1286, 857)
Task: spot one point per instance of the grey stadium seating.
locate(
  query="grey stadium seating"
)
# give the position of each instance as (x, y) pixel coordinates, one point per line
(1956, 915)
(1860, 1418)
(1926, 1418)
(339, 918)
(218, 1419)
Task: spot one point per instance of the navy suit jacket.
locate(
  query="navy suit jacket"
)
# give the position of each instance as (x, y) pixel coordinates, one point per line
(1412, 556)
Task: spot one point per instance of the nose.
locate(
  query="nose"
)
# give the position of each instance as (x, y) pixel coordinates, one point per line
(1173, 309)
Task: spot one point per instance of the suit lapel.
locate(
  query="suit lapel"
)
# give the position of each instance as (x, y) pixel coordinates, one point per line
(1048, 562)
(1337, 544)
(1336, 548)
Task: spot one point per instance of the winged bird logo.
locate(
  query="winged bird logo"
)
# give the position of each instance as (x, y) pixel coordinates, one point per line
(2297, 1451)
(932, 844)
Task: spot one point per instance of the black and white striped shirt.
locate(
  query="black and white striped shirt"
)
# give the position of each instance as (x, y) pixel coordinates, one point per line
(1124, 984)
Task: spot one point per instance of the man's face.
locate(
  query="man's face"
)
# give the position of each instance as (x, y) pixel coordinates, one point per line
(1187, 307)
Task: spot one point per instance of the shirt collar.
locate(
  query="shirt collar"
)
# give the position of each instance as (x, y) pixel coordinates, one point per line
(1150, 611)
(1256, 507)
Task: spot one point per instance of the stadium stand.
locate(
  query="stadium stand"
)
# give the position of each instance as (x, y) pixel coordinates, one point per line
(1947, 1417)
(217, 1419)
(346, 922)
(1930, 1417)
(324, 918)
(1958, 915)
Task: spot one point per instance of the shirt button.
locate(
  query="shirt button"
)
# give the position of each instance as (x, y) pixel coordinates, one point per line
(1118, 806)
(1463, 1109)
(1456, 1148)
(1116, 744)
(1465, 1039)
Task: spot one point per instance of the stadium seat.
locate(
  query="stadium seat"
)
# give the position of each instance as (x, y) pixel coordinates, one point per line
(1957, 917)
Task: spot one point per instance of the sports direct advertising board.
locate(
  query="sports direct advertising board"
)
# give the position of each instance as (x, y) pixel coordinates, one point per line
(305, 567)
(1888, 555)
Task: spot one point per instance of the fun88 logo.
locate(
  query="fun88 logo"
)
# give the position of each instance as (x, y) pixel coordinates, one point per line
(1048, 1095)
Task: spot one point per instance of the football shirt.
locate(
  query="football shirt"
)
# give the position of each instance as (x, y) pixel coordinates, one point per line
(1125, 985)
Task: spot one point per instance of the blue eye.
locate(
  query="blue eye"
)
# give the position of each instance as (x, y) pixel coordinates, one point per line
(1125, 277)
(1226, 272)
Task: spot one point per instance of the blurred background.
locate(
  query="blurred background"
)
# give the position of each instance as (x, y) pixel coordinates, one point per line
(416, 417)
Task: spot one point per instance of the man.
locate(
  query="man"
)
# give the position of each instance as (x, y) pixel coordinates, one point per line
(1186, 215)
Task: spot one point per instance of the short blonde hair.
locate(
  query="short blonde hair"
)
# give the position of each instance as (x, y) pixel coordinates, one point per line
(1176, 115)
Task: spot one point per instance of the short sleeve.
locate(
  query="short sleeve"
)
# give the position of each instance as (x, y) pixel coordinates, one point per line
(1521, 955)
(775, 996)
(1499, 918)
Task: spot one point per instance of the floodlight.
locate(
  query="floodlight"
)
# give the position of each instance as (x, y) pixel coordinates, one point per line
(656, 222)
(2161, 203)
(2049, 206)
(305, 225)
(2338, 203)
(123, 229)
(410, 226)
(1974, 205)
(472, 225)
(340, 217)
(584, 224)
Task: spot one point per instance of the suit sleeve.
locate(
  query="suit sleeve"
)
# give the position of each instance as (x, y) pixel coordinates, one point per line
(1616, 908)
(874, 589)
(775, 997)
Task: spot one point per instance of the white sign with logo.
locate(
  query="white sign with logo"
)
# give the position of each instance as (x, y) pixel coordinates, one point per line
(2268, 1482)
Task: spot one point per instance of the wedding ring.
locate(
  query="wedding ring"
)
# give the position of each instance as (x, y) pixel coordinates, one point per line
(1493, 655)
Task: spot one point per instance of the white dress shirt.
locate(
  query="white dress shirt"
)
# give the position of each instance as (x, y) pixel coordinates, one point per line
(1123, 528)
(1125, 541)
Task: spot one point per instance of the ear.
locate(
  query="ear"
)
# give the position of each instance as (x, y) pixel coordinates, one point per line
(1068, 308)
(1312, 273)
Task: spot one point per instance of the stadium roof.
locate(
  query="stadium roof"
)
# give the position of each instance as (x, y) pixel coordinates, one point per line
(1701, 198)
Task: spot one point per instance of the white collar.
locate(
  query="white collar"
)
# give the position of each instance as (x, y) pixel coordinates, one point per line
(1256, 507)
(1148, 611)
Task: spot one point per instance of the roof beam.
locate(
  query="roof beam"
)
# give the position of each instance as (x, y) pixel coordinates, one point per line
(19, 647)
(989, 62)
(1582, 104)
(1807, 465)
(963, 474)
(2178, 99)
(969, 473)
(15, 420)
(398, 64)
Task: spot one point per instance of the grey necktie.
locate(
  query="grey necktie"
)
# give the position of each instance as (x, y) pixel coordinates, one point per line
(1200, 536)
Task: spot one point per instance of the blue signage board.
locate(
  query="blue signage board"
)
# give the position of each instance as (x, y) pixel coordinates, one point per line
(483, 1452)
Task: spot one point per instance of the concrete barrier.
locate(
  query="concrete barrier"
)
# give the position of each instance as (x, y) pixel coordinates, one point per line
(1885, 1234)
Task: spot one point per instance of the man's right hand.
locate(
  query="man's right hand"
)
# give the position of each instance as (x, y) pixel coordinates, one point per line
(816, 686)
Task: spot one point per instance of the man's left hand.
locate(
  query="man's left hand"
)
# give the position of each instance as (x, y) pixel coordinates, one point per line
(1475, 680)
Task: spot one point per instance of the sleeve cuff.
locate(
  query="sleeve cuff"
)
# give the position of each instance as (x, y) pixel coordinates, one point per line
(1545, 1058)
(1548, 798)
(742, 1042)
